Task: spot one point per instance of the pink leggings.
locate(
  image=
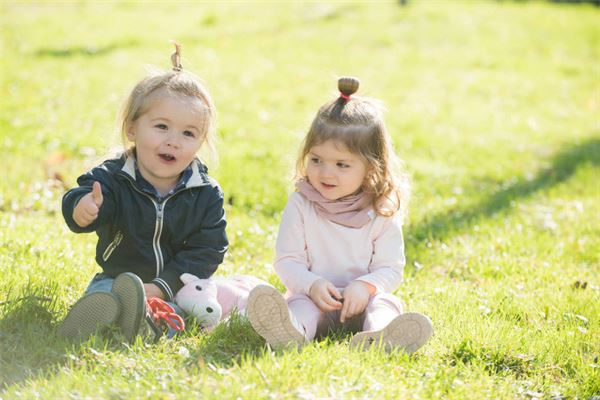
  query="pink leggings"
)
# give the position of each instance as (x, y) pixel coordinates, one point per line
(382, 308)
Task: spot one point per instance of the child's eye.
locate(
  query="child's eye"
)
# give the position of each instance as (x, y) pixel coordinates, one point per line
(188, 134)
(343, 165)
(314, 160)
(161, 126)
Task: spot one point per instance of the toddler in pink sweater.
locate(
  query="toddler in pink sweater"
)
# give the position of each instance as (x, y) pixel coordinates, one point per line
(340, 250)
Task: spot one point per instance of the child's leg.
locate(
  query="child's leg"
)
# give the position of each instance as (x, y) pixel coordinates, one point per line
(386, 326)
(307, 314)
(380, 311)
(270, 317)
(100, 283)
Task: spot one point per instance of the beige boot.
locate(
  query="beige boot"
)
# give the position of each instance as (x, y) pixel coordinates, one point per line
(407, 331)
(270, 317)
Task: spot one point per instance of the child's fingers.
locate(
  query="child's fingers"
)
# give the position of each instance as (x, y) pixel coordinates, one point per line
(351, 308)
(334, 292)
(86, 211)
(331, 302)
(344, 313)
(90, 209)
(97, 194)
(326, 303)
(90, 212)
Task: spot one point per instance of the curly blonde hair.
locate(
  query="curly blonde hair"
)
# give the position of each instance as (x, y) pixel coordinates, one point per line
(358, 123)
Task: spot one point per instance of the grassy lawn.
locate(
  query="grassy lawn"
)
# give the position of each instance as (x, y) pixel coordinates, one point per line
(493, 106)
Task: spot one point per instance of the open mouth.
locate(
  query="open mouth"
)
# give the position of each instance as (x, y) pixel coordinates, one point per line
(167, 157)
(327, 186)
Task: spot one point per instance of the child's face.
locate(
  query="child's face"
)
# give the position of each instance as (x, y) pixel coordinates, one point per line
(334, 171)
(167, 137)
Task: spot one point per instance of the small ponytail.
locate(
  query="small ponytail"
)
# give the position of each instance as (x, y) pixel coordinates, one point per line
(347, 86)
(176, 58)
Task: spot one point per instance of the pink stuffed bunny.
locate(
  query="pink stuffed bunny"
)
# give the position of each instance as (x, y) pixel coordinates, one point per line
(213, 300)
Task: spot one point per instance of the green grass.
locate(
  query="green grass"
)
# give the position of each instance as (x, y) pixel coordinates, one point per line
(492, 105)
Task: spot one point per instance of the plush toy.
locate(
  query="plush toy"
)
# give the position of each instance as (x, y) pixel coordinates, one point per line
(213, 300)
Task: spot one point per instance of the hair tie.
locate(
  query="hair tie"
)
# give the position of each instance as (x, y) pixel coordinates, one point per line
(344, 96)
(176, 58)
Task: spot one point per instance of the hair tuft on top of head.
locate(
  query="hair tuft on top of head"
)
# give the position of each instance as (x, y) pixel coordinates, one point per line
(348, 85)
(176, 57)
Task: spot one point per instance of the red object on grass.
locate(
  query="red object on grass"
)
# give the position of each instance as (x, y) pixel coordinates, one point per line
(161, 311)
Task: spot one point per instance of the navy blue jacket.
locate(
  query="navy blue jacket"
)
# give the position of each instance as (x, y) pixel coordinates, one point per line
(156, 238)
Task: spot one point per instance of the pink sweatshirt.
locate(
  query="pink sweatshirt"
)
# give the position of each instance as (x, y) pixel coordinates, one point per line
(310, 247)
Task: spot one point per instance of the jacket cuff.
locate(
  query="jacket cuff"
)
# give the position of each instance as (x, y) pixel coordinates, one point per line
(164, 286)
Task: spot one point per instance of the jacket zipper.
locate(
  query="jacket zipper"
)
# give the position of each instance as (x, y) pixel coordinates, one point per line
(112, 246)
(157, 232)
(158, 225)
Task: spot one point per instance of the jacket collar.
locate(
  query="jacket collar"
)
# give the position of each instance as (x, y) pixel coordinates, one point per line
(198, 177)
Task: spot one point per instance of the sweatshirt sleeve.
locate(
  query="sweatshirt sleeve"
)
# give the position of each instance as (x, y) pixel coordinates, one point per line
(291, 259)
(204, 249)
(387, 265)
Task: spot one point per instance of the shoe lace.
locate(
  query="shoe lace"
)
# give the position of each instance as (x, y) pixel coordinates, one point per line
(161, 311)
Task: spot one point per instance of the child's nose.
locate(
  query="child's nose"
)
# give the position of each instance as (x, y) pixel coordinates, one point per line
(326, 170)
(172, 140)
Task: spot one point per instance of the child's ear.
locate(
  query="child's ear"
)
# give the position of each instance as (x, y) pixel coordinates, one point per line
(130, 132)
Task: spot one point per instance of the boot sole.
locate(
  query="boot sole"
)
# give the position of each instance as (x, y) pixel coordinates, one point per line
(129, 288)
(408, 332)
(269, 315)
(90, 313)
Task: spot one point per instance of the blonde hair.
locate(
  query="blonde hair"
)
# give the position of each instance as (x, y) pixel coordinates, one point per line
(175, 82)
(358, 123)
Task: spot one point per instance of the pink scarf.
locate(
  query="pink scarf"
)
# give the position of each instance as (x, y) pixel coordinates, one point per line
(351, 211)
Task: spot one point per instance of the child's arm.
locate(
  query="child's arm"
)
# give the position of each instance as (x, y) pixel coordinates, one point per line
(203, 251)
(291, 260)
(91, 204)
(387, 265)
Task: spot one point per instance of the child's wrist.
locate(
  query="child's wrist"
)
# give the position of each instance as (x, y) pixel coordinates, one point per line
(372, 289)
(153, 290)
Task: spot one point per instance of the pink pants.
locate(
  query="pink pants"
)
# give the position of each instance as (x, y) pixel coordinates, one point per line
(382, 308)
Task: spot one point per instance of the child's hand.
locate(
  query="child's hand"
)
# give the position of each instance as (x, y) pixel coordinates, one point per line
(325, 295)
(153, 291)
(86, 211)
(356, 298)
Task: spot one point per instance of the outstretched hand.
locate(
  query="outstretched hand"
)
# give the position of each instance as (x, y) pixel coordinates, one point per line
(86, 211)
(325, 295)
(356, 299)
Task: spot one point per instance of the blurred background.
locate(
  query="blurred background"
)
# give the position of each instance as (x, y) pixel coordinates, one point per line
(481, 95)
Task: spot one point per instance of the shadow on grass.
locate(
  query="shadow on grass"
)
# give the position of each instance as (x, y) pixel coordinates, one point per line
(88, 51)
(495, 361)
(30, 346)
(563, 165)
(231, 341)
(27, 343)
